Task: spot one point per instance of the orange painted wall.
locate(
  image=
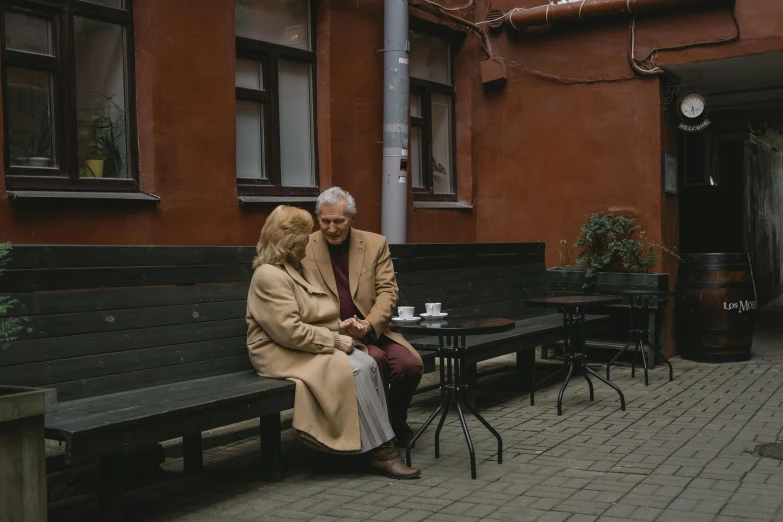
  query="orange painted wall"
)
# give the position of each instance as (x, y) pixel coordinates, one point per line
(533, 158)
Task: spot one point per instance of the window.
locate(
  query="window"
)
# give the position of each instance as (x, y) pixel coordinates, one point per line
(431, 118)
(274, 91)
(67, 95)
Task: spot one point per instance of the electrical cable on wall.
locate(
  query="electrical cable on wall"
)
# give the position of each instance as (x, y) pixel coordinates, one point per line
(477, 32)
(645, 67)
(651, 55)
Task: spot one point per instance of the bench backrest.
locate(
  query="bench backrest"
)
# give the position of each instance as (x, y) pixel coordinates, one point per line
(493, 279)
(104, 319)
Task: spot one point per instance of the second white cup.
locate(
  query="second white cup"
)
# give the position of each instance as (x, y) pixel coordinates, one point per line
(432, 308)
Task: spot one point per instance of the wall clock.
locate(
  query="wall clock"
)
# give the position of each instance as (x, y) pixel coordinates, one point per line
(693, 110)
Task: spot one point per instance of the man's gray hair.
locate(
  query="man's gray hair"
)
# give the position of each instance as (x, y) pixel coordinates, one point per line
(335, 196)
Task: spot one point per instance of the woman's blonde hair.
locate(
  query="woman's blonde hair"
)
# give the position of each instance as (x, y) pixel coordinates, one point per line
(285, 230)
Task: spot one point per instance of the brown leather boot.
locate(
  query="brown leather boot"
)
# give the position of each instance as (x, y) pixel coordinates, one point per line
(386, 461)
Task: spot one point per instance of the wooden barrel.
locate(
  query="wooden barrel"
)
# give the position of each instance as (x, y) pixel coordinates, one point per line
(716, 307)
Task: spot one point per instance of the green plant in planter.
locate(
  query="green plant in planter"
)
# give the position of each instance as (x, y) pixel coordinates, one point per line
(102, 137)
(608, 243)
(8, 327)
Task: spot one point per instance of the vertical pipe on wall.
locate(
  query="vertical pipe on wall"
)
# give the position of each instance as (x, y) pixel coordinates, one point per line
(394, 209)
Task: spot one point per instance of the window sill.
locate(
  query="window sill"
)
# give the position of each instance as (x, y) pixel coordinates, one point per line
(49, 195)
(444, 205)
(275, 200)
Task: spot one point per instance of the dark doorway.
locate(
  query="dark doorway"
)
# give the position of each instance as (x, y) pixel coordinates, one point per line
(711, 192)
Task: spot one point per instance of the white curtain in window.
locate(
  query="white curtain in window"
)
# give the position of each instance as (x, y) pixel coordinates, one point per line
(441, 144)
(297, 163)
(250, 140)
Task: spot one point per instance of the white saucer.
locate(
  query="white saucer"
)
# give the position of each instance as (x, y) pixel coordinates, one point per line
(434, 316)
(406, 319)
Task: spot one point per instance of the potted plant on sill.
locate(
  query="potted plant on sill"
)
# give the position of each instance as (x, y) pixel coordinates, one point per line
(102, 137)
(22, 442)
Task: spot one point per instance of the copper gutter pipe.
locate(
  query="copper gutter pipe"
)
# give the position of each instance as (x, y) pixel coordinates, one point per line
(583, 10)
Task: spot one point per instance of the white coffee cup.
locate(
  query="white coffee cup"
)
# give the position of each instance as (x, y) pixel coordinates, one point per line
(432, 308)
(405, 312)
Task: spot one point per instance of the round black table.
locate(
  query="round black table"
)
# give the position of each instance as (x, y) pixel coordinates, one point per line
(573, 310)
(639, 299)
(452, 350)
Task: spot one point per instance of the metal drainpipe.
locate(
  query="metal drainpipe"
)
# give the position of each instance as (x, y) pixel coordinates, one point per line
(394, 206)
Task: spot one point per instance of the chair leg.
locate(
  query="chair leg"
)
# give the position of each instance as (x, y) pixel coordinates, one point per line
(110, 484)
(192, 453)
(271, 448)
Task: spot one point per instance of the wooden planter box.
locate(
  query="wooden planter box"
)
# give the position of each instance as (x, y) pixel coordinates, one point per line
(571, 281)
(22, 454)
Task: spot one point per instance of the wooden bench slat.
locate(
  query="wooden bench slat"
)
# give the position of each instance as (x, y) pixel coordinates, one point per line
(71, 301)
(106, 384)
(58, 325)
(38, 280)
(443, 263)
(417, 250)
(48, 374)
(55, 349)
(136, 406)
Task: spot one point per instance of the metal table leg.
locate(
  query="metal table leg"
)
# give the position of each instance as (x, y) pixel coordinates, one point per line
(454, 393)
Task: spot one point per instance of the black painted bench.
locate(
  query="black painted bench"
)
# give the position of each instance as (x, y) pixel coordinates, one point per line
(143, 345)
(485, 279)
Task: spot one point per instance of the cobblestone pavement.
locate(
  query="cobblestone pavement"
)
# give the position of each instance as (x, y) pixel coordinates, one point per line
(683, 450)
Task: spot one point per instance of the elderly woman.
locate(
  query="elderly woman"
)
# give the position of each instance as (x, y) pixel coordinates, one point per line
(294, 333)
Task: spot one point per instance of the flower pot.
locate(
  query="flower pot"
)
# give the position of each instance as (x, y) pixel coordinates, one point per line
(567, 281)
(33, 161)
(94, 168)
(22, 454)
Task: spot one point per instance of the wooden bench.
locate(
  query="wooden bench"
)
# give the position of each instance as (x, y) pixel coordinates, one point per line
(142, 345)
(485, 279)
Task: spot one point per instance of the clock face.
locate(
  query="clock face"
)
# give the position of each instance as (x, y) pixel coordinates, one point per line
(692, 106)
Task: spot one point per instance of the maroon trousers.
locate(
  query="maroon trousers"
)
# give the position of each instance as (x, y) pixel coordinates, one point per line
(401, 373)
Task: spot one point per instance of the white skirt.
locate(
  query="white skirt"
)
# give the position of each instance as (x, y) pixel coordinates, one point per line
(374, 426)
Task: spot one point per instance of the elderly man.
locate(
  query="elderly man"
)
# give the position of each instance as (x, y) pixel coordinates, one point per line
(355, 268)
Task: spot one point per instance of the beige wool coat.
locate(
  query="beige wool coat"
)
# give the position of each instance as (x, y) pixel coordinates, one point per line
(371, 277)
(292, 334)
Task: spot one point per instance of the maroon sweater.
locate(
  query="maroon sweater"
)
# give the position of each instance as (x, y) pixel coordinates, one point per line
(339, 257)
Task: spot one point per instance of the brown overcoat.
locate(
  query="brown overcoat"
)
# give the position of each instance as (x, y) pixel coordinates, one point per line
(371, 276)
(292, 334)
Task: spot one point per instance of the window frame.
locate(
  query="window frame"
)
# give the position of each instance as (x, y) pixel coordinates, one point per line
(424, 89)
(66, 175)
(269, 55)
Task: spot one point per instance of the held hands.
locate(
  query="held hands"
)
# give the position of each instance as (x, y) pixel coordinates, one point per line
(355, 327)
(346, 343)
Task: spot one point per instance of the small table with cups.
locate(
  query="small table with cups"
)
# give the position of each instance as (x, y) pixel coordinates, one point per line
(452, 351)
